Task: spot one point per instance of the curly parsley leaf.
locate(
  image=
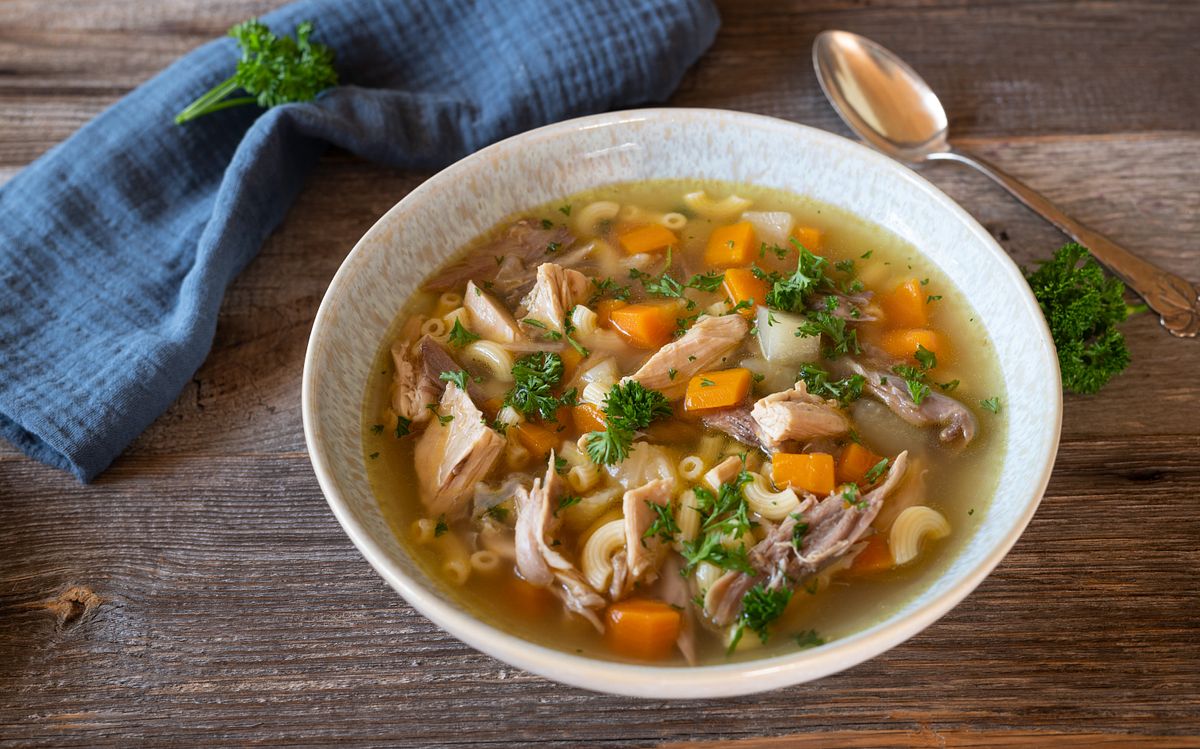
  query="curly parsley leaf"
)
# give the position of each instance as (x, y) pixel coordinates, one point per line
(272, 70)
(460, 336)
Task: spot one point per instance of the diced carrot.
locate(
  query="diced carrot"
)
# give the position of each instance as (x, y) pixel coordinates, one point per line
(854, 462)
(902, 344)
(876, 556)
(588, 418)
(570, 359)
(741, 285)
(809, 237)
(905, 306)
(530, 600)
(646, 326)
(492, 406)
(604, 310)
(726, 387)
(812, 472)
(731, 246)
(649, 238)
(536, 438)
(642, 628)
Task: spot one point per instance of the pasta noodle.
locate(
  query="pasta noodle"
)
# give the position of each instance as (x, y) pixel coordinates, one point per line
(509, 416)
(584, 513)
(485, 561)
(584, 320)
(435, 327)
(691, 468)
(491, 356)
(446, 302)
(596, 560)
(912, 528)
(593, 213)
(710, 448)
(423, 530)
(673, 221)
(583, 477)
(706, 574)
(460, 315)
(720, 210)
(772, 505)
(595, 393)
(687, 517)
(456, 560)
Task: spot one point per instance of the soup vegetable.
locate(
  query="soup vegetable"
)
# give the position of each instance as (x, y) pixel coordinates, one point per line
(653, 424)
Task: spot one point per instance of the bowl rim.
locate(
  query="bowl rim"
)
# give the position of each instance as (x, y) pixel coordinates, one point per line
(665, 682)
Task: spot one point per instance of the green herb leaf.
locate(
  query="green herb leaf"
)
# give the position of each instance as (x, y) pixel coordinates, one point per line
(843, 340)
(272, 70)
(664, 525)
(403, 427)
(377, 429)
(877, 470)
(845, 391)
(459, 378)
(808, 639)
(992, 404)
(441, 527)
(760, 607)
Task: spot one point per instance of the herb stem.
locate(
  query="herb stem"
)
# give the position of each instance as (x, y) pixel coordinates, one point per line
(204, 104)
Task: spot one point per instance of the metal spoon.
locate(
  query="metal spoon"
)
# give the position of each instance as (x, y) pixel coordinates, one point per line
(892, 108)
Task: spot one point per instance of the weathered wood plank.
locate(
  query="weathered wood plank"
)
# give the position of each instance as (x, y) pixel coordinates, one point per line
(1007, 68)
(216, 597)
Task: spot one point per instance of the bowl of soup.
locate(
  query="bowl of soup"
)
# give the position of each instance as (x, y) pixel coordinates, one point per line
(680, 403)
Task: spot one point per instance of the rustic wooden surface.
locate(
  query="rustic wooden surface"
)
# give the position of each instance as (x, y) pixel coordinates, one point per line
(200, 591)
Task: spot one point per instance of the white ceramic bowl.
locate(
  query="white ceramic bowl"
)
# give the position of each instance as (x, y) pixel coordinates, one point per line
(546, 164)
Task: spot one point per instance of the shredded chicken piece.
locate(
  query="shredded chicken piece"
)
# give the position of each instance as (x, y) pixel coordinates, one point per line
(642, 554)
(703, 346)
(672, 589)
(435, 359)
(538, 561)
(489, 317)
(723, 472)
(555, 292)
(517, 247)
(737, 422)
(797, 414)
(835, 524)
(451, 457)
(936, 409)
(412, 389)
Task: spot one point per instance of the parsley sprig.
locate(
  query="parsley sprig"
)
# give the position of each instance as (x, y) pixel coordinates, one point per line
(534, 379)
(845, 391)
(628, 407)
(272, 70)
(760, 607)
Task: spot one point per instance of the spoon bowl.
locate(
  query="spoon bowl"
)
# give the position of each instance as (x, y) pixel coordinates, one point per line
(888, 105)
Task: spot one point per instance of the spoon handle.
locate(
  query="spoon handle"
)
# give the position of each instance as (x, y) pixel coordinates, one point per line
(1176, 300)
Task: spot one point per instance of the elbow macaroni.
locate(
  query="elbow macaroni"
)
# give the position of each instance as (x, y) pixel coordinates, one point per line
(493, 357)
(720, 210)
(593, 213)
(772, 505)
(596, 560)
(911, 528)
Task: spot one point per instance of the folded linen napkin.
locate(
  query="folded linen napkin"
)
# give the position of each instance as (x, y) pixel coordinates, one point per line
(117, 245)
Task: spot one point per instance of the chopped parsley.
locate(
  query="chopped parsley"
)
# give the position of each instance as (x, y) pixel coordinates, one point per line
(992, 404)
(567, 501)
(497, 512)
(565, 209)
(842, 340)
(852, 497)
(799, 531)
(610, 287)
(560, 465)
(552, 247)
(914, 380)
(403, 427)
(443, 420)
(877, 470)
(441, 527)
(926, 358)
(377, 429)
(459, 378)
(373, 455)
(844, 391)
(706, 383)
(628, 407)
(808, 639)
(460, 336)
(664, 525)
(672, 372)
(547, 223)
(790, 293)
(760, 607)
(534, 378)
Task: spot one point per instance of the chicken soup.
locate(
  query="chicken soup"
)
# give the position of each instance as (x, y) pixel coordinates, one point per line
(684, 422)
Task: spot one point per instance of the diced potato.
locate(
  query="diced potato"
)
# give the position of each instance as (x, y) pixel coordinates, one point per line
(779, 342)
(772, 227)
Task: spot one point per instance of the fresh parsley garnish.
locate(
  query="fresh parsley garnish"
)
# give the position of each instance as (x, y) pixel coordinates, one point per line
(926, 358)
(992, 404)
(799, 531)
(789, 294)
(567, 501)
(377, 429)
(628, 407)
(460, 336)
(497, 512)
(808, 639)
(441, 527)
(760, 607)
(272, 70)
(534, 378)
(664, 525)
(877, 470)
(403, 427)
(842, 340)
(459, 378)
(914, 380)
(1083, 306)
(845, 391)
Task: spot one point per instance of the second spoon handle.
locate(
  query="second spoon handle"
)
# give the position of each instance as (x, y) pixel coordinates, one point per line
(1175, 299)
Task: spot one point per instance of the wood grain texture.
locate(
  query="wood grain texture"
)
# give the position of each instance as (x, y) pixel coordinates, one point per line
(200, 592)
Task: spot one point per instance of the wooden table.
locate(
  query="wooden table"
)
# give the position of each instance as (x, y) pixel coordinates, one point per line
(200, 592)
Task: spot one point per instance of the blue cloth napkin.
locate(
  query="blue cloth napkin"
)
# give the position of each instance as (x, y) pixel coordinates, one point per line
(117, 245)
